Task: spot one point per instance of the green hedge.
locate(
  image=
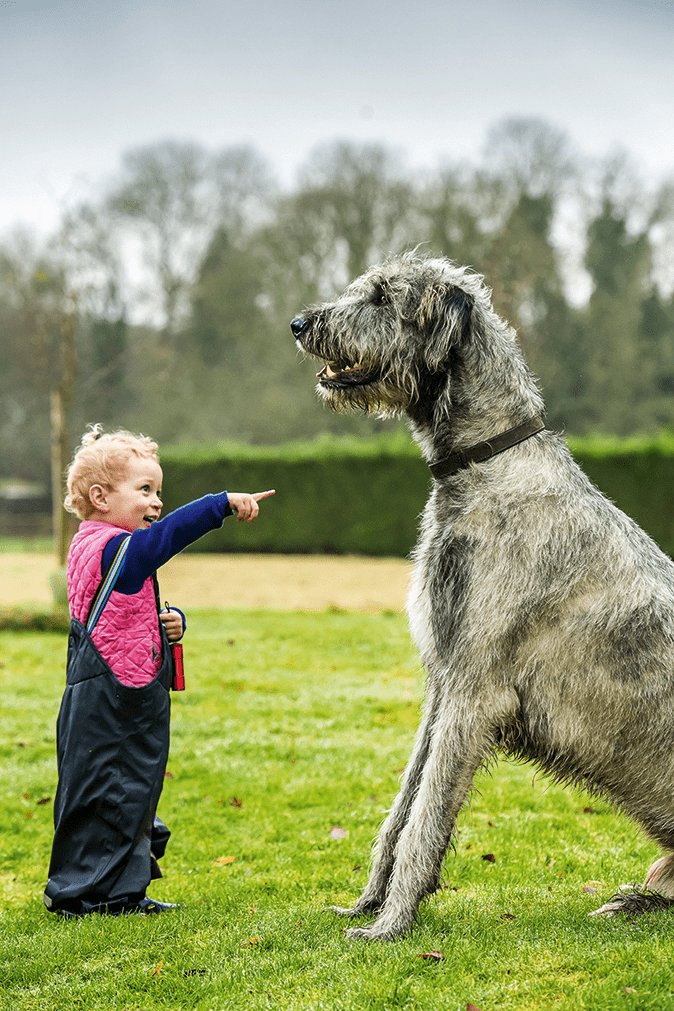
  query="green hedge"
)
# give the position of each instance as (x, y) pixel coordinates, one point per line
(365, 496)
(332, 496)
(638, 475)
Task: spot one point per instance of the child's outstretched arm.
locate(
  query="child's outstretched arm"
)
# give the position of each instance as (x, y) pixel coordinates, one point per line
(151, 548)
(246, 506)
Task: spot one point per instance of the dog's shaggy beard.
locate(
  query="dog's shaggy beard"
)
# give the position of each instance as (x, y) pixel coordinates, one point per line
(349, 381)
(374, 396)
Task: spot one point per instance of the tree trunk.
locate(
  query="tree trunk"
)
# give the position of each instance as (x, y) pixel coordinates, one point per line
(59, 461)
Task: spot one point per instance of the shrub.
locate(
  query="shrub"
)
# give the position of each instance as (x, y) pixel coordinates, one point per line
(365, 496)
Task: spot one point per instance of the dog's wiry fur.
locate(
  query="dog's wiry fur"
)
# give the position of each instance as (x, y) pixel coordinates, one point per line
(543, 615)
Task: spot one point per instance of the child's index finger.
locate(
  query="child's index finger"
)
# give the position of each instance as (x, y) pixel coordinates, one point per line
(264, 494)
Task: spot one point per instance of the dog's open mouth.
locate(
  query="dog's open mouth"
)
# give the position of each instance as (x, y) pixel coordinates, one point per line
(342, 376)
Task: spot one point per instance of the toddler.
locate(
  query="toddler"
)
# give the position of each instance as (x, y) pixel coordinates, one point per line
(112, 733)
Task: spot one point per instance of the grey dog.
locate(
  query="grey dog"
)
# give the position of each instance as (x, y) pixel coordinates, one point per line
(544, 616)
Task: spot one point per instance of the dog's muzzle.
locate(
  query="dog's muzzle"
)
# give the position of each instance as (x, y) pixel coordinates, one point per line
(333, 376)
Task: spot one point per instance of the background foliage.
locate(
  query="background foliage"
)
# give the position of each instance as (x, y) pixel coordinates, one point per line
(365, 496)
(163, 303)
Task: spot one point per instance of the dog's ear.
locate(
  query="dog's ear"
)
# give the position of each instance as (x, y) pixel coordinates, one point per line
(443, 317)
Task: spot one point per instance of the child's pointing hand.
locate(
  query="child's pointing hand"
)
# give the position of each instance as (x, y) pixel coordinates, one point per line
(246, 506)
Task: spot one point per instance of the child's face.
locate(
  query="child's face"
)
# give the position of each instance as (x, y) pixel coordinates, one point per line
(134, 503)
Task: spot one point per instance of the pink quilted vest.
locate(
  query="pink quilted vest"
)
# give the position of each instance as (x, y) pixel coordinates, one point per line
(127, 634)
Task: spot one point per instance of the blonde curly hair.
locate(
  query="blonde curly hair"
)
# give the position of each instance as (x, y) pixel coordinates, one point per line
(101, 459)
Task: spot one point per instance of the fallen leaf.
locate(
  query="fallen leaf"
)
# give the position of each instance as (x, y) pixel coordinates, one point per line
(221, 861)
(357, 867)
(338, 833)
(472, 1007)
(489, 857)
(589, 890)
(235, 802)
(157, 968)
(26, 796)
(44, 800)
(195, 972)
(436, 956)
(589, 810)
(168, 775)
(629, 989)
(29, 814)
(507, 916)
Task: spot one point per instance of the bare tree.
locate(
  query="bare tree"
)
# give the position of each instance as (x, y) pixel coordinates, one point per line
(356, 202)
(162, 194)
(531, 156)
(42, 337)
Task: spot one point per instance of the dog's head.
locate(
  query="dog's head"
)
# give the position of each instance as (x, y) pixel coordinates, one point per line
(390, 341)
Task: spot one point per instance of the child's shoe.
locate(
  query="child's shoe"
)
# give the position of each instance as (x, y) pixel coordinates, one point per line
(149, 906)
(146, 907)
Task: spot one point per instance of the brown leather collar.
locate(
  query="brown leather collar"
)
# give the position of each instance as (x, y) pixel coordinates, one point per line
(485, 450)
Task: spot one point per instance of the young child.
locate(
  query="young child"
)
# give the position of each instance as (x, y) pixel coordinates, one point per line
(113, 726)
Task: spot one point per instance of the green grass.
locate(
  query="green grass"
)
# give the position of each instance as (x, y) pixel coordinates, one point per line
(10, 545)
(307, 720)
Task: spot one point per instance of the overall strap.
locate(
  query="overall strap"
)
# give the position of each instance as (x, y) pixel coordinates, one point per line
(107, 586)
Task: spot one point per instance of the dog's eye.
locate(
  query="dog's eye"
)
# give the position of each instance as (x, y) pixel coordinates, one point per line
(380, 298)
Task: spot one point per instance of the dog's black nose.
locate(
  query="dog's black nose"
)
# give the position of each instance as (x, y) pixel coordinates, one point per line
(297, 325)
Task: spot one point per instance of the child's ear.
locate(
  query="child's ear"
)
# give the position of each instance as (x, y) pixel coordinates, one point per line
(98, 498)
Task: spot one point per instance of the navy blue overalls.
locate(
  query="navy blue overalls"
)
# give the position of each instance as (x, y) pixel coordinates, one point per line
(112, 744)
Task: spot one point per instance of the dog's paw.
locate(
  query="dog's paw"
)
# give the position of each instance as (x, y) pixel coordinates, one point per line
(342, 911)
(608, 909)
(634, 902)
(365, 934)
(361, 908)
(383, 929)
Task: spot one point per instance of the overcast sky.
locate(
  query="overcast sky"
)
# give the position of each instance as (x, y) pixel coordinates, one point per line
(83, 80)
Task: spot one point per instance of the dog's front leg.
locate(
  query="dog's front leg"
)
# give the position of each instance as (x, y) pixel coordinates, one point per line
(460, 743)
(384, 853)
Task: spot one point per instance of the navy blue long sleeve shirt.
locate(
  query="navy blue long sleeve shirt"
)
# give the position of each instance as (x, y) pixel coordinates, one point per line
(150, 548)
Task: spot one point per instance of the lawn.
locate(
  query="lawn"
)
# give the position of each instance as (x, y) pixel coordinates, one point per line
(295, 725)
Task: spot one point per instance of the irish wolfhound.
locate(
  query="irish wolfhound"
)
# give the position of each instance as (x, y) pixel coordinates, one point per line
(544, 616)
